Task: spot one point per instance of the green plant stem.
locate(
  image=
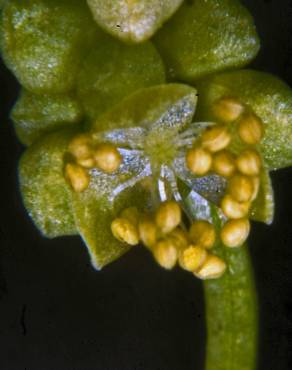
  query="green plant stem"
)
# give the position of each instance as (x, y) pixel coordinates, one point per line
(231, 311)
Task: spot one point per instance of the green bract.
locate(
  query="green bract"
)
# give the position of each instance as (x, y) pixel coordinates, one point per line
(45, 192)
(206, 36)
(98, 86)
(267, 96)
(132, 20)
(43, 42)
(36, 115)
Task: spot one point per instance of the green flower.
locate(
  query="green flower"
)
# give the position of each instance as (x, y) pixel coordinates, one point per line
(139, 143)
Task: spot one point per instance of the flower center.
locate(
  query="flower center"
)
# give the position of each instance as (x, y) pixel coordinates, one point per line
(160, 147)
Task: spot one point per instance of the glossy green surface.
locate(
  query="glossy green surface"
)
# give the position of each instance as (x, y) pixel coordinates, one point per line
(206, 36)
(267, 96)
(43, 42)
(45, 193)
(113, 70)
(36, 115)
(132, 20)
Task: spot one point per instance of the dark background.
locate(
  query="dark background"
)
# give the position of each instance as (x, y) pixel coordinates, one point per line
(57, 313)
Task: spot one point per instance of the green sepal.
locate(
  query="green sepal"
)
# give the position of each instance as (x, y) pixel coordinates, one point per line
(134, 20)
(94, 210)
(165, 106)
(113, 70)
(207, 36)
(36, 115)
(46, 195)
(267, 96)
(263, 207)
(43, 42)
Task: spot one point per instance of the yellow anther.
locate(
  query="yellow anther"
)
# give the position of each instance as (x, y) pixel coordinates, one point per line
(147, 231)
(199, 161)
(256, 187)
(168, 216)
(86, 162)
(180, 237)
(249, 162)
(228, 109)
(251, 129)
(213, 268)
(233, 209)
(192, 258)
(107, 158)
(165, 253)
(203, 233)
(216, 138)
(77, 176)
(81, 146)
(125, 231)
(224, 163)
(241, 188)
(235, 232)
(131, 214)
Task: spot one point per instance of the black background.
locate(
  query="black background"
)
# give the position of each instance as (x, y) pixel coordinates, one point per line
(57, 313)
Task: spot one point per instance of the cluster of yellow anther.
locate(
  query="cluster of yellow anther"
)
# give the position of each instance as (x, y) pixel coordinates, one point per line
(213, 153)
(85, 155)
(164, 235)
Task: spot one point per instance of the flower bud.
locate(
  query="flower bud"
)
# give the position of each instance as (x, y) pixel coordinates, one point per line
(77, 176)
(235, 232)
(251, 129)
(215, 138)
(199, 161)
(81, 146)
(224, 163)
(203, 233)
(228, 109)
(241, 188)
(165, 253)
(107, 158)
(168, 216)
(249, 162)
(213, 268)
(233, 209)
(125, 231)
(147, 231)
(86, 162)
(192, 258)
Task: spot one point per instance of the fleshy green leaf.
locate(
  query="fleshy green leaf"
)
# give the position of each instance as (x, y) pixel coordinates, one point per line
(96, 207)
(263, 207)
(267, 96)
(113, 70)
(132, 20)
(46, 195)
(165, 106)
(43, 42)
(35, 115)
(206, 36)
